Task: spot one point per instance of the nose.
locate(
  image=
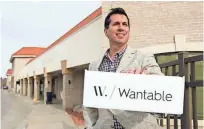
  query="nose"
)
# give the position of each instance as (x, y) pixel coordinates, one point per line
(120, 27)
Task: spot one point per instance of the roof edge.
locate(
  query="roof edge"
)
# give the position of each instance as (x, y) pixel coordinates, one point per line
(77, 27)
(9, 72)
(26, 47)
(20, 56)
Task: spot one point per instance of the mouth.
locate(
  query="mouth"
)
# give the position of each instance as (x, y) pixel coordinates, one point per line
(120, 35)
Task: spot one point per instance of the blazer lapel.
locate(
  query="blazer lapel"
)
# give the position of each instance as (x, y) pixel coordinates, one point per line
(126, 59)
(99, 62)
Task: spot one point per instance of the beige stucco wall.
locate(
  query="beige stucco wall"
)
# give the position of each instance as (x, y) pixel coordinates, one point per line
(156, 23)
(78, 83)
(8, 81)
(17, 65)
(3, 81)
(59, 86)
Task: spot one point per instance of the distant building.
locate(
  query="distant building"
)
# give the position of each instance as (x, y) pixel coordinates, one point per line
(3, 82)
(19, 59)
(9, 74)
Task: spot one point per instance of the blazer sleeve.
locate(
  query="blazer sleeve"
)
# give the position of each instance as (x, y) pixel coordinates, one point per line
(90, 117)
(129, 118)
(151, 65)
(90, 114)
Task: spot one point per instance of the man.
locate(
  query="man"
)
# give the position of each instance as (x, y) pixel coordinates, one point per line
(121, 58)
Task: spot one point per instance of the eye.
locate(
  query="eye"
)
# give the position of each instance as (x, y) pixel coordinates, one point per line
(125, 24)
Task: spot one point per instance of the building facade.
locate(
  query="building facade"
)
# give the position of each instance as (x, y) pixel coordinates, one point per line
(8, 74)
(156, 27)
(19, 59)
(3, 82)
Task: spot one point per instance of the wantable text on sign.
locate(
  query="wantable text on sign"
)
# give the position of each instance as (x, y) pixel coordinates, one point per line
(146, 93)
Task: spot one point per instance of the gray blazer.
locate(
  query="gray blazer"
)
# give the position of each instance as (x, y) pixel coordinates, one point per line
(103, 118)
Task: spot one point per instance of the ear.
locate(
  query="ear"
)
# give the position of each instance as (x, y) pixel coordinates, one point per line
(105, 31)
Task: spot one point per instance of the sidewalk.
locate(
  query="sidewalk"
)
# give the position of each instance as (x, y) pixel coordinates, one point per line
(46, 117)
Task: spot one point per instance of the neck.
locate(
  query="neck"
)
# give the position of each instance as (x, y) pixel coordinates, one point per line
(116, 48)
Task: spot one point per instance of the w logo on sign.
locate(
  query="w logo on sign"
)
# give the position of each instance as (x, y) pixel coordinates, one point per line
(98, 90)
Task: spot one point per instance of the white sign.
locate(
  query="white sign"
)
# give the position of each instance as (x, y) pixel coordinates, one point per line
(146, 93)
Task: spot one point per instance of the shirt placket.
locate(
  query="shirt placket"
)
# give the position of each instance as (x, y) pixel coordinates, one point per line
(113, 64)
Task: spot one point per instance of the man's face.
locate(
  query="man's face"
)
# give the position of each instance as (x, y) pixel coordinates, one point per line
(118, 31)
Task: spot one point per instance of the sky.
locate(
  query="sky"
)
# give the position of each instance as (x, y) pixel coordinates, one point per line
(37, 24)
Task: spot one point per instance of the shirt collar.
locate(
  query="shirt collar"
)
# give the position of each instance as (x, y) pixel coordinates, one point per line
(118, 54)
